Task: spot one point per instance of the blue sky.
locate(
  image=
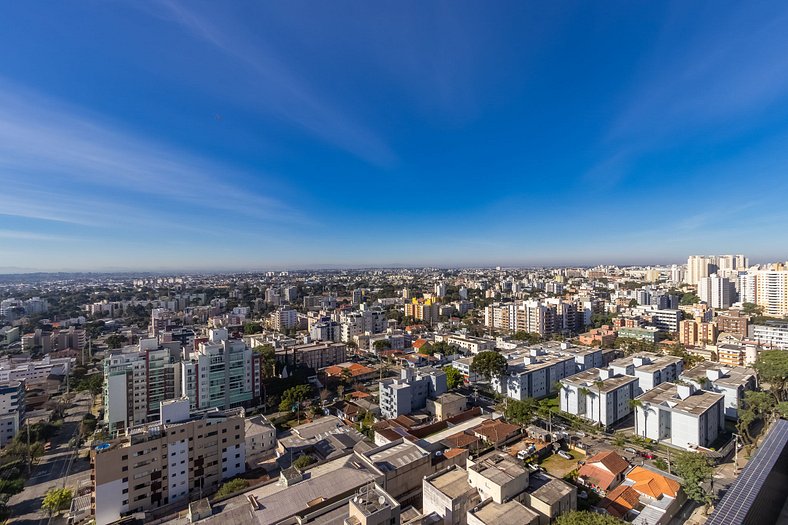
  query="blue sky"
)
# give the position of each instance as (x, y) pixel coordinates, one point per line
(245, 135)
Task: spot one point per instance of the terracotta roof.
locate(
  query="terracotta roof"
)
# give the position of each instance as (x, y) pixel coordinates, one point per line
(418, 343)
(620, 500)
(357, 394)
(452, 452)
(612, 461)
(495, 430)
(653, 484)
(460, 439)
(596, 476)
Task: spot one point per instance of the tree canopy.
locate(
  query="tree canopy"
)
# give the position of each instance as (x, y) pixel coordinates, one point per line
(489, 364)
(454, 377)
(231, 487)
(56, 500)
(696, 471)
(772, 367)
(520, 412)
(294, 396)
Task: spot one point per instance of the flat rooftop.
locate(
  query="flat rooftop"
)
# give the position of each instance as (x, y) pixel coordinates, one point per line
(453, 483)
(547, 488)
(666, 395)
(587, 378)
(492, 513)
(397, 456)
(499, 468)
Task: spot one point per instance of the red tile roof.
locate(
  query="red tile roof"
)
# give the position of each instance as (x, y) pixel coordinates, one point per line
(612, 461)
(653, 484)
(620, 500)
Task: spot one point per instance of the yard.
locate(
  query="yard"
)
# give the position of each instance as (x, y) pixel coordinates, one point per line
(559, 467)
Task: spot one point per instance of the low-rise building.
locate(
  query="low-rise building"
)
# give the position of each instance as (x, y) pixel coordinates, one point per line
(260, 439)
(410, 391)
(313, 355)
(603, 471)
(533, 374)
(599, 395)
(650, 369)
(772, 334)
(12, 409)
(648, 334)
(681, 414)
(448, 495)
(446, 405)
(730, 381)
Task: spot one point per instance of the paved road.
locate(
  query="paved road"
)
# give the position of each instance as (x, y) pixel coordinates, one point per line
(52, 469)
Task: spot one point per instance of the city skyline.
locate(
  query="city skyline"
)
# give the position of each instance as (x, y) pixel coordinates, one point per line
(193, 137)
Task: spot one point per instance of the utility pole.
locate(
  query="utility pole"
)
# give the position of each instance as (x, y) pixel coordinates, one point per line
(735, 454)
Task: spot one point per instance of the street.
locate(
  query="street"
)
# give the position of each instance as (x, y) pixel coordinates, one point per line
(59, 467)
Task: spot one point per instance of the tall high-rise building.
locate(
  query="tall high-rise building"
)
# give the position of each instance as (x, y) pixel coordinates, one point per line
(771, 292)
(440, 290)
(219, 374)
(716, 291)
(700, 266)
(136, 380)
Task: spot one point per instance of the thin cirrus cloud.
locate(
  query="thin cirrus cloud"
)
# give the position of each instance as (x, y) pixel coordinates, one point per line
(278, 89)
(51, 150)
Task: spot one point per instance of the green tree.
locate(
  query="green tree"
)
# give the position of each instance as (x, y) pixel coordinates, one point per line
(231, 487)
(268, 353)
(251, 328)
(56, 500)
(751, 309)
(454, 377)
(294, 396)
(689, 299)
(303, 461)
(520, 412)
(489, 364)
(583, 517)
(529, 337)
(772, 367)
(383, 344)
(116, 340)
(696, 471)
(599, 384)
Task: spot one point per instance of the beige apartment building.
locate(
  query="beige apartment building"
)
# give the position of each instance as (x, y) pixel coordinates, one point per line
(182, 457)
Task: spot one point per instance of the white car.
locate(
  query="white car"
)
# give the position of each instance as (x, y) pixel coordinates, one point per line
(565, 455)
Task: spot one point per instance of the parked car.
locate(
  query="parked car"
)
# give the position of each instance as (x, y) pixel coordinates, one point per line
(565, 455)
(581, 434)
(630, 450)
(647, 455)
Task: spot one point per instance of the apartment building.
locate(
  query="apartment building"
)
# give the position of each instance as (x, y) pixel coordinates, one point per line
(650, 369)
(693, 333)
(716, 291)
(409, 392)
(474, 345)
(772, 334)
(681, 414)
(734, 323)
(598, 395)
(285, 318)
(219, 373)
(181, 457)
(364, 321)
(423, 310)
(771, 292)
(12, 409)
(34, 371)
(648, 334)
(313, 355)
(136, 380)
(533, 373)
(730, 381)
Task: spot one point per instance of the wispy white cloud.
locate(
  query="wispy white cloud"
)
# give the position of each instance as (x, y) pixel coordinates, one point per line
(278, 89)
(50, 152)
(33, 236)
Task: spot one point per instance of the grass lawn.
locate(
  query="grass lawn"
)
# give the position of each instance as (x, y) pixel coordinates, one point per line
(559, 467)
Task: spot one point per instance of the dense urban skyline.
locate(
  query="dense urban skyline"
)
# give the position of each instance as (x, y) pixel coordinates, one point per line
(200, 136)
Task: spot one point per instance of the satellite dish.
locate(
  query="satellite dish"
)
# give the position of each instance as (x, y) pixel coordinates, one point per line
(382, 500)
